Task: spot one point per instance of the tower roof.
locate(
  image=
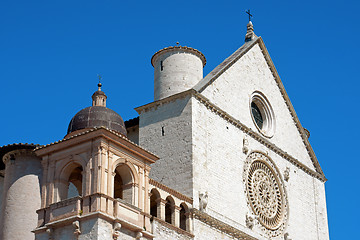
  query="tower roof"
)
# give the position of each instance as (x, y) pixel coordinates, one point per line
(179, 48)
(98, 115)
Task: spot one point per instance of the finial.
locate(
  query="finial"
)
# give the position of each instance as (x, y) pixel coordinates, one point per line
(99, 97)
(250, 15)
(99, 84)
(250, 35)
(177, 44)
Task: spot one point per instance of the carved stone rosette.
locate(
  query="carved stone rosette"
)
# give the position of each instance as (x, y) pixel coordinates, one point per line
(265, 193)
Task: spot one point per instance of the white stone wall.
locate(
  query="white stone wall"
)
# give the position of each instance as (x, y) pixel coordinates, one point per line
(232, 90)
(203, 231)
(323, 230)
(166, 132)
(218, 165)
(181, 71)
(162, 232)
(218, 169)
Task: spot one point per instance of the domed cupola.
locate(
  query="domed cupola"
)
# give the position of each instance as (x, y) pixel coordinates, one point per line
(98, 115)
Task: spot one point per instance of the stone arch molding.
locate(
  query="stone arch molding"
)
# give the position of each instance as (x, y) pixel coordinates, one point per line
(265, 193)
(133, 171)
(63, 172)
(64, 165)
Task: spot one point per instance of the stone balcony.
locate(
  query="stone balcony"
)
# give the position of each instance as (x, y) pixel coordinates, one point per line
(76, 208)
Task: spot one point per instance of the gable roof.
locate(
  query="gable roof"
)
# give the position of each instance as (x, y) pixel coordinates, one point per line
(233, 58)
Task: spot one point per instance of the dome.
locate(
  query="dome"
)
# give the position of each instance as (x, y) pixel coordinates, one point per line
(97, 116)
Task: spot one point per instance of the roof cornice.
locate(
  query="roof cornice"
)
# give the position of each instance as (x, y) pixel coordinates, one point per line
(202, 99)
(227, 63)
(206, 102)
(290, 107)
(96, 132)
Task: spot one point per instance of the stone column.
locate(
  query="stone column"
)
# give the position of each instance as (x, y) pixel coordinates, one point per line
(189, 224)
(21, 196)
(162, 204)
(177, 216)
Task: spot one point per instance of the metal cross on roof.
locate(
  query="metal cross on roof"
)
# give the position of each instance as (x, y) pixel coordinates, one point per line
(250, 15)
(99, 76)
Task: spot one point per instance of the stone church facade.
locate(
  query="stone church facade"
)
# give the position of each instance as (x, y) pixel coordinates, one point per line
(217, 157)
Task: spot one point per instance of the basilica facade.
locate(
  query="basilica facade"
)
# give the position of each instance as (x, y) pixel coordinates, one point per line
(217, 157)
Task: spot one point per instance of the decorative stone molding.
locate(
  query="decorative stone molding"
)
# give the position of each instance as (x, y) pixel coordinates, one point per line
(286, 236)
(218, 71)
(139, 235)
(256, 136)
(287, 174)
(116, 230)
(268, 127)
(177, 229)
(181, 48)
(291, 108)
(203, 201)
(143, 151)
(50, 233)
(266, 195)
(76, 225)
(250, 220)
(170, 191)
(223, 227)
(12, 155)
(245, 148)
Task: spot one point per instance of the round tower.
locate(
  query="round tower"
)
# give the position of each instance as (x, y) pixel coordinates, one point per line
(21, 193)
(176, 69)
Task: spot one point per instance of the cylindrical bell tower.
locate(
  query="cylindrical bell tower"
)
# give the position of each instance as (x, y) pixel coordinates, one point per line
(176, 69)
(21, 194)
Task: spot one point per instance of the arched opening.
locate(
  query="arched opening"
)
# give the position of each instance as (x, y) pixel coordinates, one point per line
(75, 183)
(118, 184)
(70, 183)
(124, 184)
(170, 210)
(155, 203)
(184, 217)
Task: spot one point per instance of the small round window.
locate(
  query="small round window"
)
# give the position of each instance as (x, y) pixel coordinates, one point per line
(262, 114)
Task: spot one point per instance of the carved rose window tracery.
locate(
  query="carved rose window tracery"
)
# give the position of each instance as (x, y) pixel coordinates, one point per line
(265, 193)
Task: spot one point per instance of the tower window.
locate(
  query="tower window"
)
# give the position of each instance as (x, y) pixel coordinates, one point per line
(161, 66)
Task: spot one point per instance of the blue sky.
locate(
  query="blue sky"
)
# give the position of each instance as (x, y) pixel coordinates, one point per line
(52, 51)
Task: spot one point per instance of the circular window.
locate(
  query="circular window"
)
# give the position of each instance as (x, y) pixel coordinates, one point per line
(265, 193)
(262, 114)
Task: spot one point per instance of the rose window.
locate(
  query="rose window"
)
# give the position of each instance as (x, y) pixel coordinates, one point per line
(265, 192)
